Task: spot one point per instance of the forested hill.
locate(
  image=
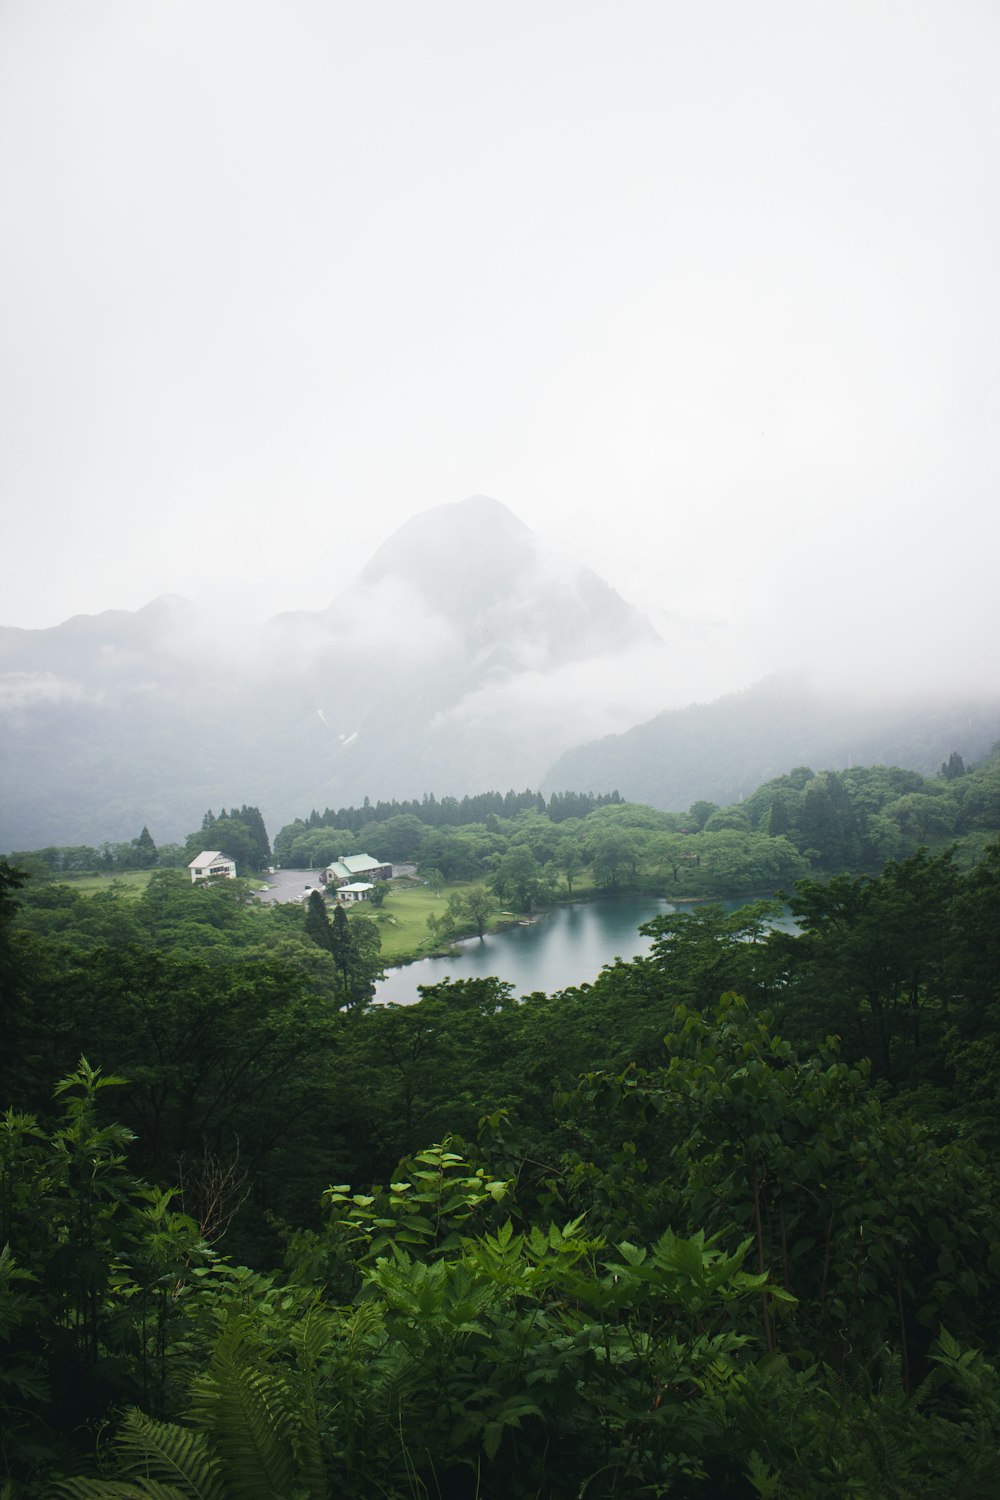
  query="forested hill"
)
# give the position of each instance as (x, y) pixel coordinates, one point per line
(799, 822)
(721, 751)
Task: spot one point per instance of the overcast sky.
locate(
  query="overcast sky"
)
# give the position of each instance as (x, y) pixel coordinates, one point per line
(708, 292)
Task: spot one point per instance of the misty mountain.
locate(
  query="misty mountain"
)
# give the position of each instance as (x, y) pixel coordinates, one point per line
(464, 655)
(722, 751)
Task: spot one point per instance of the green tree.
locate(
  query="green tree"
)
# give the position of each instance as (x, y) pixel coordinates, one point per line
(142, 852)
(355, 945)
(236, 841)
(868, 960)
(518, 878)
(701, 811)
(953, 767)
(340, 946)
(19, 1038)
(727, 818)
(613, 853)
(241, 836)
(701, 953)
(570, 860)
(477, 907)
(827, 822)
(920, 817)
(318, 921)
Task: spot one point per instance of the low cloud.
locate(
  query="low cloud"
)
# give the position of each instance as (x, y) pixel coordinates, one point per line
(581, 700)
(25, 690)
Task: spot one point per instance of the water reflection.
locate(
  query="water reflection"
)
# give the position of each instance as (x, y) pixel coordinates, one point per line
(567, 946)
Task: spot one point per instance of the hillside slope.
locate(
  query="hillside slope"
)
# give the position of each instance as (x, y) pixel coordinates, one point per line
(721, 751)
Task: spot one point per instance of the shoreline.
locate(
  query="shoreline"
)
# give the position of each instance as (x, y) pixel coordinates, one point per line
(451, 949)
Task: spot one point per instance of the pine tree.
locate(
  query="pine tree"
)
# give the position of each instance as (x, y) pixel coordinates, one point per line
(778, 821)
(318, 922)
(341, 946)
(145, 853)
(254, 820)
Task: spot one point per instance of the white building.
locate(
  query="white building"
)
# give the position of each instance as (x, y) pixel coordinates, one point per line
(355, 890)
(212, 862)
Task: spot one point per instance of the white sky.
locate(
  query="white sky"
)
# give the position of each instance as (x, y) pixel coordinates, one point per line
(707, 291)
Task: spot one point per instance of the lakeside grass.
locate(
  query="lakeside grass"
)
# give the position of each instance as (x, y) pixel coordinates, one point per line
(402, 918)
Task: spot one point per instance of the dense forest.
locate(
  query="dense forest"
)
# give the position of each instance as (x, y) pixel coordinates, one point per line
(530, 850)
(723, 1222)
(836, 820)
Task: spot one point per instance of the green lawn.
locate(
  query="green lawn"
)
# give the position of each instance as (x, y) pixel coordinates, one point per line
(133, 881)
(403, 917)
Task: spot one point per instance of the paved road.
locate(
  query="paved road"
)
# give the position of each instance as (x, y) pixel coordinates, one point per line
(289, 885)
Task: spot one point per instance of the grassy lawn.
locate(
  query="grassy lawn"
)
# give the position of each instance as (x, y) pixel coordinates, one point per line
(133, 881)
(403, 918)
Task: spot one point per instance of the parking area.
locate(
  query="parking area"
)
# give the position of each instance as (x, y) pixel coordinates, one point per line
(289, 885)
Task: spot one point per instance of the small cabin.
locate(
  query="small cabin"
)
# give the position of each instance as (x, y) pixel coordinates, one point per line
(355, 890)
(212, 862)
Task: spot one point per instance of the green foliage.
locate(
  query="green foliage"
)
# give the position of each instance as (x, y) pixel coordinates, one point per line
(503, 1360)
(877, 1229)
(718, 1263)
(318, 921)
(428, 1208)
(702, 952)
(518, 878)
(467, 910)
(870, 956)
(255, 1425)
(355, 946)
(95, 1273)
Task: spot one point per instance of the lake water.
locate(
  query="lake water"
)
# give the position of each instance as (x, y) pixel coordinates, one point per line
(569, 945)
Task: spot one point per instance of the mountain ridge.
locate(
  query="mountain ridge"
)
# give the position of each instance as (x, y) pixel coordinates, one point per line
(722, 750)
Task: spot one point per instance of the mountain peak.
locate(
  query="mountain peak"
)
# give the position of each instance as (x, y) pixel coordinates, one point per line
(478, 566)
(460, 532)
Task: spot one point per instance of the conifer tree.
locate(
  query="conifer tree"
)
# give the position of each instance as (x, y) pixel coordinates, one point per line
(318, 922)
(340, 944)
(144, 850)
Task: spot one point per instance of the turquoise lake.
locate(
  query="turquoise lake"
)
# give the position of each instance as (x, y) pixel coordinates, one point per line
(569, 945)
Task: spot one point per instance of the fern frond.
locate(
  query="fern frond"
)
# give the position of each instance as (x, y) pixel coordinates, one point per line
(246, 1411)
(312, 1336)
(166, 1453)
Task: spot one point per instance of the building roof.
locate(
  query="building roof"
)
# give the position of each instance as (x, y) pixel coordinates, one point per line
(357, 885)
(355, 864)
(208, 857)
